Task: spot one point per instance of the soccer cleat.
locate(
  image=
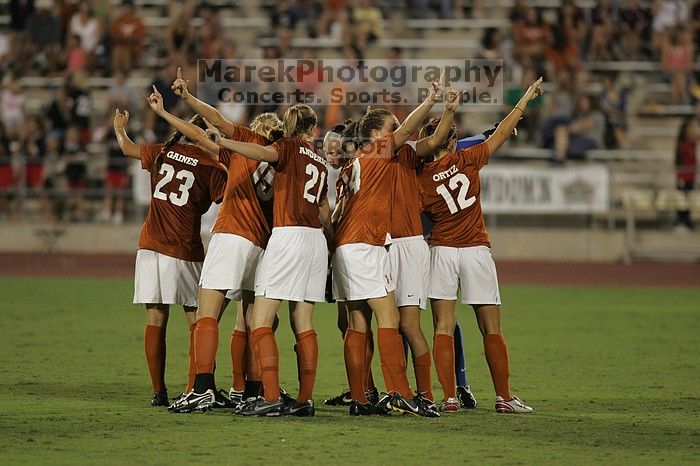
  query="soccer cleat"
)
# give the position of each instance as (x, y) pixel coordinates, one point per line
(415, 406)
(305, 409)
(466, 397)
(235, 397)
(450, 405)
(221, 400)
(192, 402)
(367, 409)
(261, 407)
(512, 406)
(426, 402)
(372, 395)
(383, 406)
(344, 399)
(160, 399)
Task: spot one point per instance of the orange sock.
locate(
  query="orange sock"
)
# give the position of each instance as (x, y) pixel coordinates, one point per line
(191, 363)
(267, 354)
(424, 377)
(154, 344)
(253, 369)
(369, 354)
(238, 345)
(307, 362)
(444, 355)
(496, 352)
(393, 361)
(354, 351)
(206, 342)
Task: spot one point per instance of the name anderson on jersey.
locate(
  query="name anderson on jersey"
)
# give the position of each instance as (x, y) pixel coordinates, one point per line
(182, 158)
(306, 151)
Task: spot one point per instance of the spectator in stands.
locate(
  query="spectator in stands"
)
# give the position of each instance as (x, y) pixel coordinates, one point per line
(12, 102)
(210, 33)
(157, 128)
(686, 165)
(30, 149)
(603, 17)
(117, 180)
(54, 182)
(532, 118)
(283, 21)
(613, 104)
(75, 56)
(128, 33)
(178, 37)
(85, 25)
(45, 33)
(60, 111)
(120, 94)
(20, 11)
(572, 20)
(80, 103)
(560, 107)
(75, 158)
(491, 43)
(562, 52)
(583, 133)
(369, 22)
(331, 10)
(668, 14)
(677, 61)
(634, 30)
(7, 177)
(530, 36)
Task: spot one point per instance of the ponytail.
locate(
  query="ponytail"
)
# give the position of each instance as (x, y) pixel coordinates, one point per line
(299, 119)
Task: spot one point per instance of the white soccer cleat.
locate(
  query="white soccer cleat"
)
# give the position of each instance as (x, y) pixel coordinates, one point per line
(450, 405)
(512, 406)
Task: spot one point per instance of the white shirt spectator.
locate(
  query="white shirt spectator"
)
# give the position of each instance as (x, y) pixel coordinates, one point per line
(88, 31)
(11, 109)
(670, 13)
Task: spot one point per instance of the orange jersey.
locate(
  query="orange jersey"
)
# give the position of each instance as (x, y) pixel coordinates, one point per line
(451, 192)
(406, 207)
(184, 183)
(366, 185)
(299, 185)
(247, 207)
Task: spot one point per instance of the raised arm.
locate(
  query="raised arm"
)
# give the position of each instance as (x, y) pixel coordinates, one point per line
(413, 121)
(207, 112)
(505, 127)
(189, 130)
(246, 149)
(427, 145)
(128, 147)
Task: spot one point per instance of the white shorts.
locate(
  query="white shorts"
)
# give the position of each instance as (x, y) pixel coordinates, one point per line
(230, 264)
(410, 263)
(294, 266)
(471, 270)
(361, 271)
(161, 279)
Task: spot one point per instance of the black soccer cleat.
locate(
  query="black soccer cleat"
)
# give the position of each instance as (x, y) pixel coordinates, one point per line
(344, 399)
(466, 397)
(194, 402)
(305, 409)
(367, 409)
(383, 406)
(261, 407)
(221, 400)
(160, 399)
(373, 395)
(414, 406)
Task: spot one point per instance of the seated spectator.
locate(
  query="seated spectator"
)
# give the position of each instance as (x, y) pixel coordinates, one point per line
(560, 106)
(75, 56)
(178, 37)
(45, 31)
(12, 102)
(668, 14)
(677, 61)
(562, 52)
(603, 17)
(331, 10)
(60, 111)
(530, 37)
(583, 133)
(31, 149)
(518, 12)
(55, 184)
(613, 104)
(369, 22)
(532, 117)
(283, 21)
(491, 43)
(75, 157)
(686, 165)
(120, 95)
(634, 30)
(210, 33)
(127, 33)
(117, 180)
(85, 25)
(572, 20)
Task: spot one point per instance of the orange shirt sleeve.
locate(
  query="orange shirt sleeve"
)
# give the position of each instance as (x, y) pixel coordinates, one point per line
(284, 148)
(149, 152)
(477, 155)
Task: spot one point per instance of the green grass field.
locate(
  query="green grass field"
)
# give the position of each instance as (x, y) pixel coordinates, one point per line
(610, 373)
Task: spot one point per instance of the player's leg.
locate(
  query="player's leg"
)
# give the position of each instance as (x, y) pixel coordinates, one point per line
(154, 346)
(306, 349)
(464, 392)
(191, 318)
(412, 332)
(345, 397)
(238, 345)
(444, 317)
(354, 349)
(264, 345)
(206, 338)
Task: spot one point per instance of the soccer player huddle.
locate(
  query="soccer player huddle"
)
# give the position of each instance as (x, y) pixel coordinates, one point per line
(302, 224)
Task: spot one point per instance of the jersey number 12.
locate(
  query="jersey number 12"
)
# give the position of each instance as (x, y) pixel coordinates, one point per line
(460, 181)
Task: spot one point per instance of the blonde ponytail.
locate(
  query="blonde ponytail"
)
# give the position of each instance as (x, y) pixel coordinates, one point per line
(299, 119)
